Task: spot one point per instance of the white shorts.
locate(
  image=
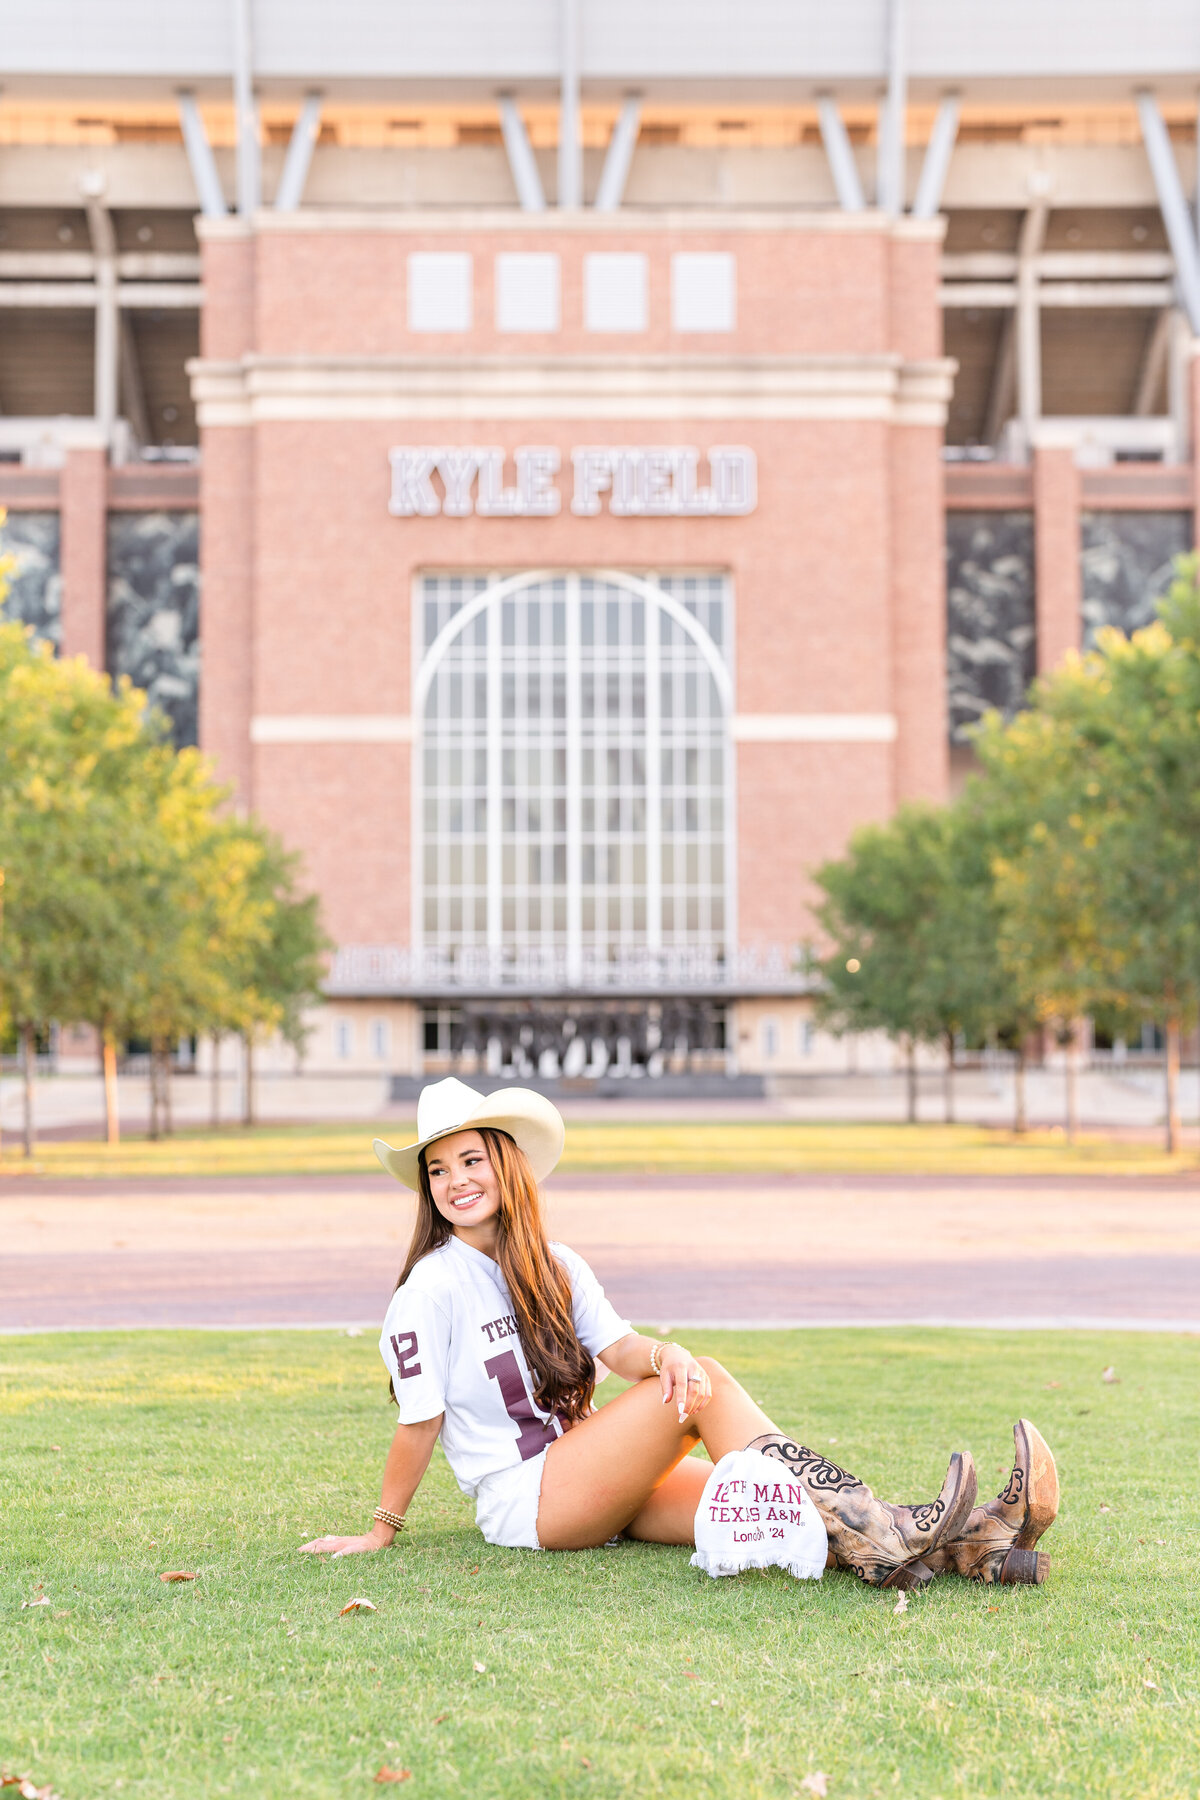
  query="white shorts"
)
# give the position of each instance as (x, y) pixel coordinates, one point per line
(506, 1504)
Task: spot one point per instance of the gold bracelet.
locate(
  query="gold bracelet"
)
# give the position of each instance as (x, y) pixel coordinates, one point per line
(656, 1354)
(385, 1517)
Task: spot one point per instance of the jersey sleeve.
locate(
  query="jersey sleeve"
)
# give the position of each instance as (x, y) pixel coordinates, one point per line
(597, 1321)
(415, 1346)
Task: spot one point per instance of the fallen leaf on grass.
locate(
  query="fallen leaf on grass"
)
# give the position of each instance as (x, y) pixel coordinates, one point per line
(178, 1575)
(386, 1774)
(441, 1718)
(1106, 1509)
(359, 1605)
(1152, 1684)
(1110, 1374)
(901, 1606)
(42, 1600)
(1054, 1384)
(586, 1761)
(818, 1783)
(28, 1790)
(479, 1668)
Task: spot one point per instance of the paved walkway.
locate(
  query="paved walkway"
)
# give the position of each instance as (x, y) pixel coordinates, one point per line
(672, 1250)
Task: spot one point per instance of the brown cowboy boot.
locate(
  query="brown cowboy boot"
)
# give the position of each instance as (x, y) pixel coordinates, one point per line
(883, 1544)
(997, 1542)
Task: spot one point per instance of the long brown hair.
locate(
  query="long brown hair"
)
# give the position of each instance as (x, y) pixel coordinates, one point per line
(564, 1374)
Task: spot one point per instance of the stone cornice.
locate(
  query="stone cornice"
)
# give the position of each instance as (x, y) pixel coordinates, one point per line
(261, 389)
(644, 221)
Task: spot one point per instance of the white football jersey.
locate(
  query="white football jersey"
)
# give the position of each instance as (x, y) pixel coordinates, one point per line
(451, 1346)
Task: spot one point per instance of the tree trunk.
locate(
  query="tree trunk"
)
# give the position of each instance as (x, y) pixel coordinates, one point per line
(1072, 1086)
(154, 1065)
(948, 1079)
(28, 1066)
(1172, 1072)
(911, 1072)
(168, 1119)
(1020, 1122)
(112, 1119)
(215, 1090)
(248, 1052)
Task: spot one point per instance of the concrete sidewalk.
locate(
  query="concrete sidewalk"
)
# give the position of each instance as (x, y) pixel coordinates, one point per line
(1126, 1097)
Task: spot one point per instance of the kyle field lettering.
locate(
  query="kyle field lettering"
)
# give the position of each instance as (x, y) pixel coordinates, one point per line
(647, 481)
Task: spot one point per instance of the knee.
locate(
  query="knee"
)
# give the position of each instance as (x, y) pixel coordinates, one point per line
(717, 1373)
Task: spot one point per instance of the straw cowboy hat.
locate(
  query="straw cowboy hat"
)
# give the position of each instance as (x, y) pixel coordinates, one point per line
(448, 1106)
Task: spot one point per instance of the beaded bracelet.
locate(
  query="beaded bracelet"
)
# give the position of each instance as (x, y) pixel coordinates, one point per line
(656, 1354)
(395, 1520)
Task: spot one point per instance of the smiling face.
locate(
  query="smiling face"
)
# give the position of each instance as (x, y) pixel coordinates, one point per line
(464, 1185)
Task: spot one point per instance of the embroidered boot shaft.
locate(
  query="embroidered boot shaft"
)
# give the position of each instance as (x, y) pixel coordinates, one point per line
(996, 1544)
(883, 1544)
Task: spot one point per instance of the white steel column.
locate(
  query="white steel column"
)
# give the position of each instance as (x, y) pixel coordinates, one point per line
(131, 389)
(1003, 382)
(108, 321)
(653, 778)
(1179, 396)
(305, 133)
(200, 157)
(526, 179)
(840, 155)
(495, 781)
(1154, 360)
(1029, 319)
(889, 181)
(570, 146)
(248, 174)
(573, 661)
(928, 199)
(1172, 203)
(619, 155)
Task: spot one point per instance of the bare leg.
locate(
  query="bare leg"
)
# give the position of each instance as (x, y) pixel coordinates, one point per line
(604, 1474)
(669, 1515)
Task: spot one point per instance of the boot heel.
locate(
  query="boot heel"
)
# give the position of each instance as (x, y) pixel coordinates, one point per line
(909, 1575)
(1025, 1568)
(1041, 1494)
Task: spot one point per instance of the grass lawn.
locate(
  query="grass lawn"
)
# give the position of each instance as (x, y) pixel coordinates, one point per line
(739, 1147)
(614, 1673)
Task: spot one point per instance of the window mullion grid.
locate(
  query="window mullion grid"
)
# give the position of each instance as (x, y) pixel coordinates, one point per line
(574, 735)
(495, 751)
(652, 627)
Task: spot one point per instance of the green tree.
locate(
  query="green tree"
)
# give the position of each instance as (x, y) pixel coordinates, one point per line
(915, 926)
(131, 898)
(887, 969)
(70, 755)
(278, 974)
(1099, 886)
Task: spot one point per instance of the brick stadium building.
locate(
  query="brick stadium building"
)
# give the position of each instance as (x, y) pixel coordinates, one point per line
(620, 455)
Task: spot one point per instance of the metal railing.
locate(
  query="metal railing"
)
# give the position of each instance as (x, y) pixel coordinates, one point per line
(379, 970)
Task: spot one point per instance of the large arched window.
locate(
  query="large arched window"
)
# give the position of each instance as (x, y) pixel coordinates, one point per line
(574, 793)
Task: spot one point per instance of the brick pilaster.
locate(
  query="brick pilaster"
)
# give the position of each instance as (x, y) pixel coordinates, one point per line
(918, 608)
(83, 499)
(1056, 505)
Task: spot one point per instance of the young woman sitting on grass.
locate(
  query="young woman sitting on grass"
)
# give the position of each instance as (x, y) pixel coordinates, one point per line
(492, 1340)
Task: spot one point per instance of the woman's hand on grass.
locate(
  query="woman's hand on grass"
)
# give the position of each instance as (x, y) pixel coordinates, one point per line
(378, 1539)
